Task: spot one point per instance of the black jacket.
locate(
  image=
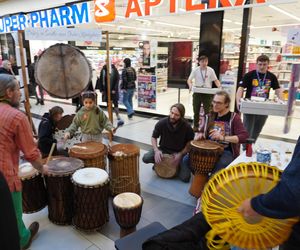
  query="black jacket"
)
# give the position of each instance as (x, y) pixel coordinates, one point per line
(5, 71)
(45, 134)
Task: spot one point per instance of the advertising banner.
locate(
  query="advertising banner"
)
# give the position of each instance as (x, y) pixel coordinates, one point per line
(147, 91)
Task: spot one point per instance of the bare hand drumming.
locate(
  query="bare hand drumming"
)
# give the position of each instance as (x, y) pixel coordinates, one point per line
(158, 156)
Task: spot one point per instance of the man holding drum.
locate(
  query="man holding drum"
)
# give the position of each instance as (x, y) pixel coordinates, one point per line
(225, 127)
(175, 133)
(16, 135)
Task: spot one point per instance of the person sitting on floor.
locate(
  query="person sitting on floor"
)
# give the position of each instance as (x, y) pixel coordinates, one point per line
(47, 129)
(225, 127)
(274, 204)
(175, 134)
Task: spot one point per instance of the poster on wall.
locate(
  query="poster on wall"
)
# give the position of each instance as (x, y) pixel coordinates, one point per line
(179, 63)
(147, 81)
(145, 53)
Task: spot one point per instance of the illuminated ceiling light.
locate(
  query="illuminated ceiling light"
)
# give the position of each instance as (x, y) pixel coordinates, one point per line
(284, 12)
(177, 25)
(227, 20)
(238, 23)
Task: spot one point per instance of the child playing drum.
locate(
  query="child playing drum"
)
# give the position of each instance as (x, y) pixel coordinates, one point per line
(91, 120)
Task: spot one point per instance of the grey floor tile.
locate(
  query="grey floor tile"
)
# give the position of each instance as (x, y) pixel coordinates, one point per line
(59, 238)
(99, 241)
(93, 247)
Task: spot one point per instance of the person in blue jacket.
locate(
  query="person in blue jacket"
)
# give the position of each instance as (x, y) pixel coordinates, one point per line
(282, 202)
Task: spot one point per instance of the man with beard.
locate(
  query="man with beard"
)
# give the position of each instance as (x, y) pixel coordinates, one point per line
(16, 135)
(175, 133)
(47, 129)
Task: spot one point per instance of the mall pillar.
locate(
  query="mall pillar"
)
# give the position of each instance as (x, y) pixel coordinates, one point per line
(245, 34)
(210, 42)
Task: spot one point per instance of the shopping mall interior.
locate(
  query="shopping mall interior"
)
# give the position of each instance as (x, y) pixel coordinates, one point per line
(165, 200)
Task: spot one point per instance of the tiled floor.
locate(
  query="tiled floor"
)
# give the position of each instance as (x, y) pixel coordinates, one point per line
(166, 201)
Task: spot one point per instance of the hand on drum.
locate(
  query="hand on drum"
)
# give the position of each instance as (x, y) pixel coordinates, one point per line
(199, 136)
(158, 156)
(45, 169)
(216, 135)
(246, 209)
(67, 136)
(177, 158)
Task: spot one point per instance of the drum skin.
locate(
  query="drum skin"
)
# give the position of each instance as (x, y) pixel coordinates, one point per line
(92, 153)
(166, 168)
(223, 195)
(63, 71)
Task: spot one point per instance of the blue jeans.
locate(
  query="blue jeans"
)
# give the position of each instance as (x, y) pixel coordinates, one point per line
(225, 159)
(127, 100)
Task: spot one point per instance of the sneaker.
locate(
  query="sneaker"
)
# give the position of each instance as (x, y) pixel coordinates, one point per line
(42, 102)
(130, 116)
(34, 228)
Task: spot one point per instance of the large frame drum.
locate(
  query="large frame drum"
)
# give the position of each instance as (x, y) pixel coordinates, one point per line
(124, 169)
(34, 196)
(60, 189)
(92, 153)
(204, 155)
(224, 194)
(91, 192)
(127, 209)
(63, 71)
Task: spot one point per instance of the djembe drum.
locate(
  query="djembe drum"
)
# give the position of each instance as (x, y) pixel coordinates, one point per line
(34, 196)
(92, 153)
(166, 168)
(91, 192)
(124, 169)
(127, 209)
(63, 71)
(204, 155)
(223, 195)
(60, 189)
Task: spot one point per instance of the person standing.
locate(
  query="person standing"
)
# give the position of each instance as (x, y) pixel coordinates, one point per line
(257, 84)
(128, 86)
(114, 87)
(15, 136)
(203, 76)
(34, 84)
(6, 68)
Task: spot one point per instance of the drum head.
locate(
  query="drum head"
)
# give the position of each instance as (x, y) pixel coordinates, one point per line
(63, 71)
(26, 170)
(166, 168)
(223, 195)
(124, 149)
(206, 144)
(87, 150)
(90, 177)
(65, 122)
(127, 200)
(64, 166)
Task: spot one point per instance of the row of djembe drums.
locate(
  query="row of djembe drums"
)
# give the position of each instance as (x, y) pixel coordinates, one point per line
(78, 194)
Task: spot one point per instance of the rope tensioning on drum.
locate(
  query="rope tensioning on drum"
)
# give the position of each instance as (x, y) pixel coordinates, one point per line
(222, 197)
(128, 180)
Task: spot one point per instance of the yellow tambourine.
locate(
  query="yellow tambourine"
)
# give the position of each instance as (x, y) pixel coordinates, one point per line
(223, 195)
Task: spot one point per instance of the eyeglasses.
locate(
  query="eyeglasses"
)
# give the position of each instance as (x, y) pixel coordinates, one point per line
(217, 103)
